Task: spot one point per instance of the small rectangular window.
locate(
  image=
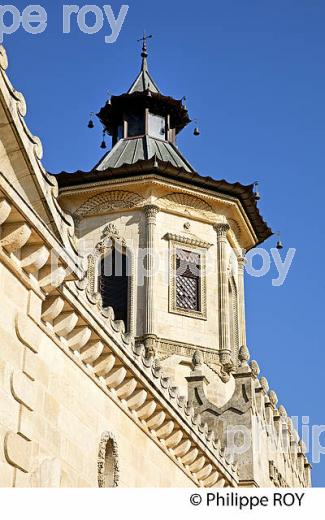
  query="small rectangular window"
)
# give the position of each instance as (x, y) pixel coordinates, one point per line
(156, 126)
(188, 270)
(135, 125)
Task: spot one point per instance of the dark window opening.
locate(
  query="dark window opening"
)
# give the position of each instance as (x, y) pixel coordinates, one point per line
(114, 284)
(188, 266)
(136, 125)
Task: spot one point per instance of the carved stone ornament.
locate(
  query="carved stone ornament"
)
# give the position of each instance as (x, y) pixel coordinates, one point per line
(244, 355)
(282, 411)
(264, 384)
(273, 398)
(111, 232)
(254, 368)
(151, 213)
(108, 202)
(108, 463)
(188, 240)
(177, 200)
(197, 359)
(221, 229)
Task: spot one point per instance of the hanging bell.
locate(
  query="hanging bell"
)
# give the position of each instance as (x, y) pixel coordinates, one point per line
(103, 145)
(257, 193)
(91, 122)
(196, 131)
(279, 245)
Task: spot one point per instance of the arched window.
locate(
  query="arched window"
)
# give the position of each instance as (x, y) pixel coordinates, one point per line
(113, 283)
(108, 467)
(111, 275)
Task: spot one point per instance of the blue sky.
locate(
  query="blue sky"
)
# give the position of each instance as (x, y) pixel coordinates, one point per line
(253, 74)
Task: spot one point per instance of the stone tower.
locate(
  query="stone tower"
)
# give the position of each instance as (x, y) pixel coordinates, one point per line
(145, 196)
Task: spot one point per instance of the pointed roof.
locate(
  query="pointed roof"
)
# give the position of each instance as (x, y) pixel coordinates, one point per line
(144, 80)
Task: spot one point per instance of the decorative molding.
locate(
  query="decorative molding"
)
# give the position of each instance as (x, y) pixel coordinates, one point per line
(225, 201)
(166, 348)
(188, 240)
(151, 213)
(235, 228)
(175, 200)
(221, 229)
(107, 202)
(105, 479)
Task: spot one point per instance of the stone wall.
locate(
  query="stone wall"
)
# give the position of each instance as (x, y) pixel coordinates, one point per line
(51, 411)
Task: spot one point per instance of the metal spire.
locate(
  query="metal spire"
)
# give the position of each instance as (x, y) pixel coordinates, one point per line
(144, 81)
(144, 53)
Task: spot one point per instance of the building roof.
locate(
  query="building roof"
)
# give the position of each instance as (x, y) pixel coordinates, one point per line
(144, 82)
(144, 148)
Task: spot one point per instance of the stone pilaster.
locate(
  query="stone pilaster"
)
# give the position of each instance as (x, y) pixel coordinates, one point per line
(223, 293)
(151, 216)
(241, 301)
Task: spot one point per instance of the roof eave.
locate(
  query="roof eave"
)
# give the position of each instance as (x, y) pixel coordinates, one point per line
(244, 193)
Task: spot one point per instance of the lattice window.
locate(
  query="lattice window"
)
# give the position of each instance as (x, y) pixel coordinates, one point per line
(188, 269)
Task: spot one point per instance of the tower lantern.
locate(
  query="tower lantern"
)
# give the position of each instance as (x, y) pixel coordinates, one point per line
(144, 110)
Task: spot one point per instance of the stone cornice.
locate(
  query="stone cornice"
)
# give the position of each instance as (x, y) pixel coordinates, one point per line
(71, 261)
(224, 200)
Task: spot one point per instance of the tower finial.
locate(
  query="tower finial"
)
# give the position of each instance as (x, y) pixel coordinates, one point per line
(144, 53)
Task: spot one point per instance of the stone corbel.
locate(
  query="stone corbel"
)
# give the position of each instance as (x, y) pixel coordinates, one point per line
(241, 401)
(5, 210)
(15, 236)
(34, 257)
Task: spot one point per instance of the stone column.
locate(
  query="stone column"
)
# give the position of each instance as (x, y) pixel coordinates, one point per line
(223, 294)
(151, 215)
(241, 301)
